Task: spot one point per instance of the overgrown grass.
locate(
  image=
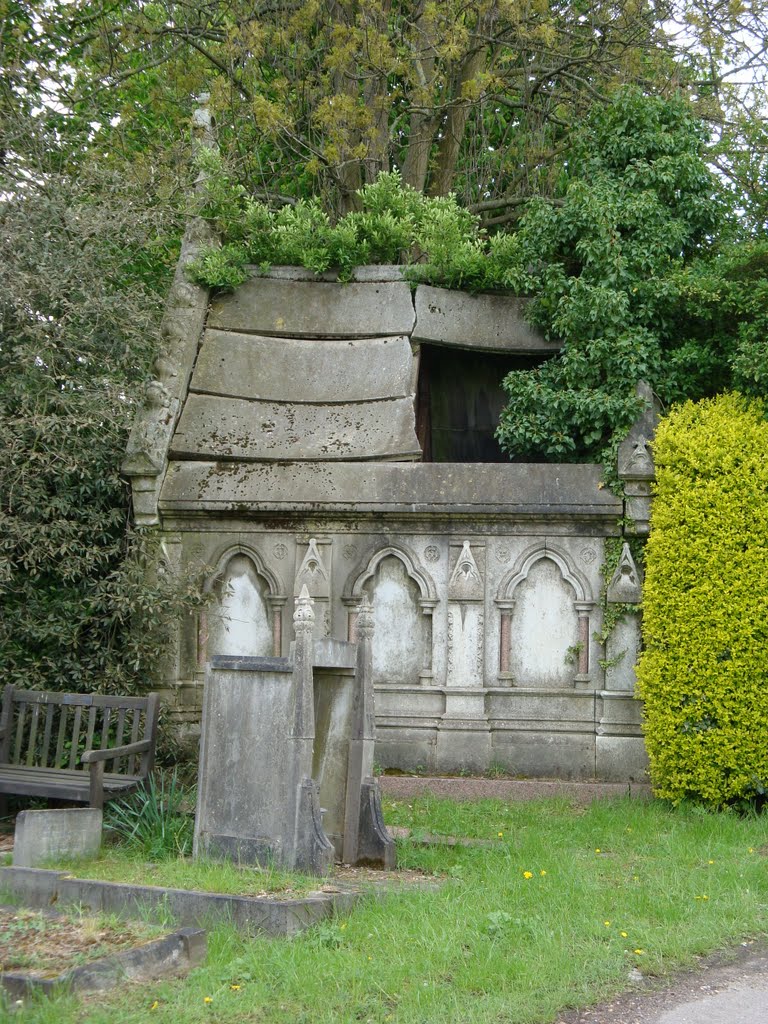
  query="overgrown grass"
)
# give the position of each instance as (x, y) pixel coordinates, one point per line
(554, 914)
(121, 864)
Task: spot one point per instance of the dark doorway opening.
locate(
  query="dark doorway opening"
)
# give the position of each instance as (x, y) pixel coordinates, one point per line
(459, 402)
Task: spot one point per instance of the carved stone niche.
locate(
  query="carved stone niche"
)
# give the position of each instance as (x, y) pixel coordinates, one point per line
(314, 574)
(245, 616)
(403, 596)
(544, 604)
(466, 635)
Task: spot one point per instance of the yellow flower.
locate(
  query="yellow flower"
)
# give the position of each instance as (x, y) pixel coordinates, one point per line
(750, 850)
(154, 1005)
(234, 988)
(500, 835)
(711, 862)
(597, 849)
(527, 874)
(542, 873)
(207, 999)
(623, 935)
(640, 952)
(607, 924)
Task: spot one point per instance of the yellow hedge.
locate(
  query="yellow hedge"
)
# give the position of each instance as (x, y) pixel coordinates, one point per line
(704, 671)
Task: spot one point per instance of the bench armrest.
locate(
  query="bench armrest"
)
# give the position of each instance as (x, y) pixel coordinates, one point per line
(109, 752)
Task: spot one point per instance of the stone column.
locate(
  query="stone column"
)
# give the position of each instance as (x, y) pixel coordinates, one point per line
(366, 840)
(583, 609)
(506, 608)
(620, 750)
(312, 850)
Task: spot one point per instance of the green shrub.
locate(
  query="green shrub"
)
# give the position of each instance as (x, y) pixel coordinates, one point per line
(704, 673)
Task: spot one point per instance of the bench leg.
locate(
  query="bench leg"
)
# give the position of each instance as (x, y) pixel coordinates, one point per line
(97, 784)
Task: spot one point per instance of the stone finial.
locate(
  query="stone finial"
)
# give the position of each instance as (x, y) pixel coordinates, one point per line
(626, 586)
(364, 623)
(635, 455)
(304, 615)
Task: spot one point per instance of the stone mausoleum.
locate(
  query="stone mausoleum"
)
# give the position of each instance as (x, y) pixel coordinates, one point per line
(303, 432)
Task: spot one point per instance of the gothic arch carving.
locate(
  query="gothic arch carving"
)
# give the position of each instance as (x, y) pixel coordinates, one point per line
(274, 584)
(274, 597)
(519, 572)
(427, 599)
(353, 591)
(506, 601)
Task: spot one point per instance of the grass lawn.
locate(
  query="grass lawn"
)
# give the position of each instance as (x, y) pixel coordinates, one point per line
(555, 914)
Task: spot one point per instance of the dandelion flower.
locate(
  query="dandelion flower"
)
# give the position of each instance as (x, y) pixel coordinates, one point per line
(623, 935)
(711, 862)
(607, 924)
(207, 999)
(234, 988)
(500, 835)
(154, 1005)
(597, 849)
(542, 873)
(527, 874)
(640, 952)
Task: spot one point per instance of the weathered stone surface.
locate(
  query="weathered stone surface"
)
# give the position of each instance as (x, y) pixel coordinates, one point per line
(46, 835)
(303, 370)
(548, 491)
(622, 650)
(318, 309)
(170, 954)
(626, 586)
(635, 457)
(372, 272)
(232, 428)
(38, 888)
(247, 711)
(494, 323)
(621, 759)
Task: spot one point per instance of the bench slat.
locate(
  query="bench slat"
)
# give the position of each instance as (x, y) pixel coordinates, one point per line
(31, 742)
(119, 737)
(19, 732)
(134, 739)
(90, 728)
(44, 756)
(35, 722)
(63, 714)
(75, 736)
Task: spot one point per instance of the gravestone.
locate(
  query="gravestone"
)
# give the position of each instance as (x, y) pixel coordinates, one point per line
(47, 835)
(286, 755)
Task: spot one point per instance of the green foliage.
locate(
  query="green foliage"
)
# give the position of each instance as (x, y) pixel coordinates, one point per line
(638, 204)
(392, 223)
(703, 675)
(84, 264)
(153, 822)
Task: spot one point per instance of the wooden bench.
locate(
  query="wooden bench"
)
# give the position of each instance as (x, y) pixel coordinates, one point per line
(57, 745)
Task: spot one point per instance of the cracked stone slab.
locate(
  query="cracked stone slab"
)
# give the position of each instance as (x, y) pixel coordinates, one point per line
(303, 370)
(231, 428)
(316, 309)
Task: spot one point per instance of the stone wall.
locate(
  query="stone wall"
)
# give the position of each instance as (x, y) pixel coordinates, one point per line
(294, 461)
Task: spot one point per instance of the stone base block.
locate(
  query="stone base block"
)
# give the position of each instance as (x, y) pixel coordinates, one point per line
(545, 755)
(375, 846)
(44, 836)
(463, 745)
(621, 759)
